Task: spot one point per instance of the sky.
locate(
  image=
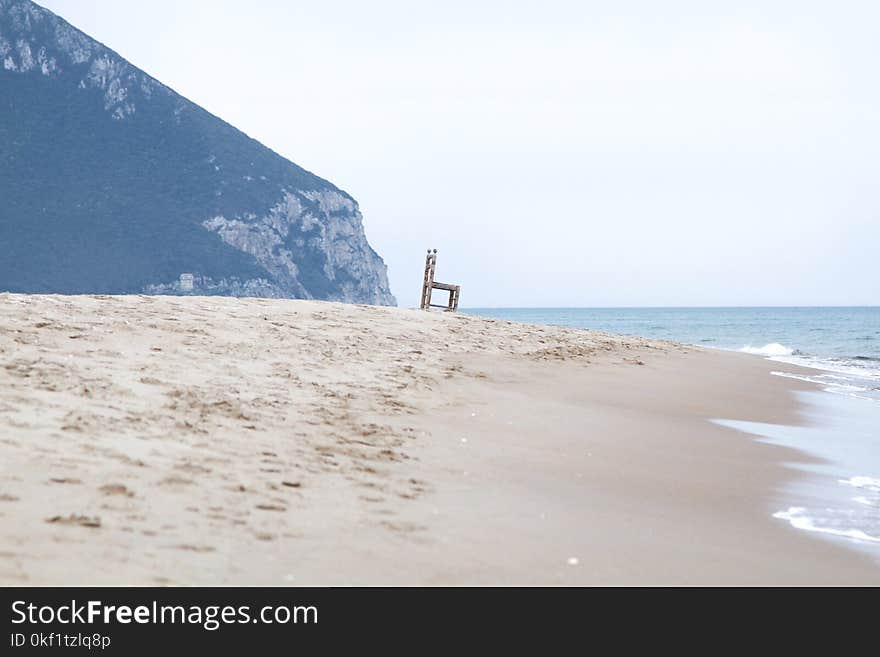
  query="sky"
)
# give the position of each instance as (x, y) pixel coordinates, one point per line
(558, 153)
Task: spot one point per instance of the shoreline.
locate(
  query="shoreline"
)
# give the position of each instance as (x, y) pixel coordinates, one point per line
(838, 495)
(206, 440)
(645, 501)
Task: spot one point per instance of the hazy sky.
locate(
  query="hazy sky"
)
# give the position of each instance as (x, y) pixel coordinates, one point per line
(558, 153)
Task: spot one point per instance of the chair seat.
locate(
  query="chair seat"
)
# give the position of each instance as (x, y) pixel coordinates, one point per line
(444, 286)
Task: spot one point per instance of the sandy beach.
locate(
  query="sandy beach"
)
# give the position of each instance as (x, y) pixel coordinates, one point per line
(207, 440)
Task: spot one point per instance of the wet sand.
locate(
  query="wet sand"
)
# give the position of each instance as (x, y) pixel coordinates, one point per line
(166, 440)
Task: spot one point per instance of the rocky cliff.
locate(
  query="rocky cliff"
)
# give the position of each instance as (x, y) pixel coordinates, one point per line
(110, 182)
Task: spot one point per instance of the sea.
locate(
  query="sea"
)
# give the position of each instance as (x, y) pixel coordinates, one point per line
(840, 499)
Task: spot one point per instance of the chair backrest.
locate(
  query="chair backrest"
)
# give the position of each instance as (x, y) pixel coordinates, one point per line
(428, 282)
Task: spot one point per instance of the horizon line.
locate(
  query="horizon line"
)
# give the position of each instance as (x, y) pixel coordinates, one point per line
(464, 308)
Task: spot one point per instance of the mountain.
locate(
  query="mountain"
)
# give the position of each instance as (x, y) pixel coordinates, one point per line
(110, 182)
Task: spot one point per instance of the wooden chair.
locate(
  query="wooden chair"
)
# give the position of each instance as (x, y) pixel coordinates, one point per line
(429, 285)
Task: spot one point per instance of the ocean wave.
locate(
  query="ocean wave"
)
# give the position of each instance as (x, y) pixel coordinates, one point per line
(862, 369)
(797, 517)
(772, 349)
(868, 483)
(823, 379)
(859, 364)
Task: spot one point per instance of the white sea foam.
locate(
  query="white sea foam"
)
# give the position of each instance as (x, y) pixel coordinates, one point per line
(823, 379)
(846, 367)
(859, 383)
(863, 371)
(868, 483)
(796, 516)
(772, 349)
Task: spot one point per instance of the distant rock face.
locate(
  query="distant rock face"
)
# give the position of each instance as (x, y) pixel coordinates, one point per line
(110, 182)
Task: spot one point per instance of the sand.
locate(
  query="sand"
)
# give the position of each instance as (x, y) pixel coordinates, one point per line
(196, 440)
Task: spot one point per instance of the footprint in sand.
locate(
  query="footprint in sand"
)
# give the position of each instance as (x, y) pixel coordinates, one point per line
(75, 519)
(174, 480)
(195, 548)
(271, 507)
(187, 466)
(403, 526)
(116, 489)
